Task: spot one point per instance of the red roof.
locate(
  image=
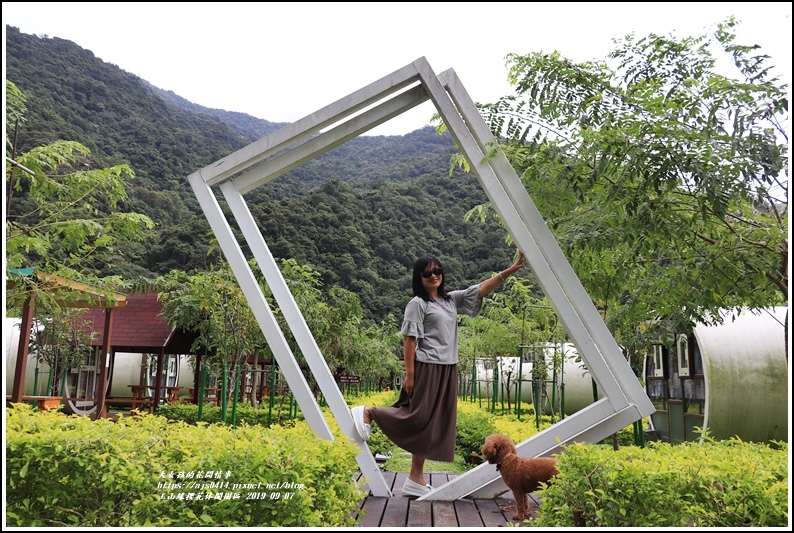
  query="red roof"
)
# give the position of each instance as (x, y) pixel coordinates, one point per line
(140, 327)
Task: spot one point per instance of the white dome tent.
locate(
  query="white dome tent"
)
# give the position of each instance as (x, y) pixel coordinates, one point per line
(568, 386)
(731, 379)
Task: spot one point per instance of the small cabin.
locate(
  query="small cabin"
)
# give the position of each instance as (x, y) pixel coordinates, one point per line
(731, 379)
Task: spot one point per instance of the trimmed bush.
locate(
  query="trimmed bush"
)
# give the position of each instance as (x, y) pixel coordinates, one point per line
(473, 426)
(245, 414)
(715, 484)
(145, 470)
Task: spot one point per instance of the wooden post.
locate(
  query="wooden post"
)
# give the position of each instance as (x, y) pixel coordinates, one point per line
(104, 365)
(197, 379)
(18, 389)
(158, 381)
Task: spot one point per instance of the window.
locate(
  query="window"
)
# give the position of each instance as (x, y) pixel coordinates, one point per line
(657, 392)
(697, 360)
(658, 360)
(170, 371)
(694, 396)
(683, 355)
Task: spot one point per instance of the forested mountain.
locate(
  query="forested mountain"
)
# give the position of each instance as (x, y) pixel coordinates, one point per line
(359, 214)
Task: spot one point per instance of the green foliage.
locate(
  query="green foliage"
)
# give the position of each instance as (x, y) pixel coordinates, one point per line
(715, 484)
(473, 426)
(520, 430)
(15, 108)
(366, 240)
(653, 169)
(73, 471)
(245, 414)
(359, 215)
(62, 215)
(212, 305)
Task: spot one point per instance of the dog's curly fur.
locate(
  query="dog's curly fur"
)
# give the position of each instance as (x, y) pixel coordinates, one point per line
(522, 475)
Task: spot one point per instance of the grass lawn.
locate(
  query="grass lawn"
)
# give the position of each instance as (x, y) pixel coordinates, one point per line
(400, 461)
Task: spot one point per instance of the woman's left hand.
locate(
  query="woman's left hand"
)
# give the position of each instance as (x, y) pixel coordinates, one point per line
(519, 262)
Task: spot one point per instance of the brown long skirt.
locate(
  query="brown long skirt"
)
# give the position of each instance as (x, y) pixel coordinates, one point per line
(424, 424)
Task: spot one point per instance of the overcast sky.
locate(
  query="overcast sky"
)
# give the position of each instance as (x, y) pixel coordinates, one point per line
(281, 61)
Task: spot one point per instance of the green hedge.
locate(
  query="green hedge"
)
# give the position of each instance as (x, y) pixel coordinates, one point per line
(471, 431)
(148, 471)
(714, 484)
(244, 414)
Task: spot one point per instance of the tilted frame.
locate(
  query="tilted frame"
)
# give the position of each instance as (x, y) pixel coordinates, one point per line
(623, 402)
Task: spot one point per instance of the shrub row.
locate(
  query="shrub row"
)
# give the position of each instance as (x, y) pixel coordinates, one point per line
(713, 484)
(242, 415)
(148, 471)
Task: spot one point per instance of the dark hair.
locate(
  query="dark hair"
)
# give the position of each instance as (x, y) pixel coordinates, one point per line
(420, 265)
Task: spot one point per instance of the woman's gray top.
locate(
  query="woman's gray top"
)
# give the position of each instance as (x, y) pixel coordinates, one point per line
(434, 324)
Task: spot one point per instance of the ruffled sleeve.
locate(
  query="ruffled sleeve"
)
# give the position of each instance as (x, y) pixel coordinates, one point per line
(468, 301)
(413, 323)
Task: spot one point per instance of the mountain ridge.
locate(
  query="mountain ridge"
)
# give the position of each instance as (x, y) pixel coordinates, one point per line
(360, 213)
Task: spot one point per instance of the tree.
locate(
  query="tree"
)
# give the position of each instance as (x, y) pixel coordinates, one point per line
(61, 215)
(335, 319)
(63, 218)
(63, 341)
(665, 182)
(211, 304)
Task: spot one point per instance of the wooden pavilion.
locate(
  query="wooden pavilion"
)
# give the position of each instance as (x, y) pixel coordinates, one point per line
(140, 328)
(129, 323)
(23, 285)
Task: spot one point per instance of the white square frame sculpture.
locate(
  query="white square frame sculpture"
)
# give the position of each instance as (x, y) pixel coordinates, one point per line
(624, 400)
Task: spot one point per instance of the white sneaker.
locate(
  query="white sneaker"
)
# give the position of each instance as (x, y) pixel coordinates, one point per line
(362, 429)
(412, 488)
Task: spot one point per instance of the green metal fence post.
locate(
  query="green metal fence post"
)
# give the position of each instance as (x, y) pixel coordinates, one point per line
(224, 392)
(237, 384)
(519, 382)
(272, 401)
(202, 386)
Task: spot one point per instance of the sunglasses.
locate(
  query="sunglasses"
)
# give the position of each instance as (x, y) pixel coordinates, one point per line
(435, 272)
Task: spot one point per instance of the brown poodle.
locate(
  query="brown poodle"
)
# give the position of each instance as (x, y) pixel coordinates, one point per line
(520, 474)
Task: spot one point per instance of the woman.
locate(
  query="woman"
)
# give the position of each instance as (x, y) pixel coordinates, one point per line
(423, 420)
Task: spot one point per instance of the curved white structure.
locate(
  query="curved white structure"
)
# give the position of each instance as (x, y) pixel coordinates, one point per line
(568, 387)
(746, 376)
(730, 379)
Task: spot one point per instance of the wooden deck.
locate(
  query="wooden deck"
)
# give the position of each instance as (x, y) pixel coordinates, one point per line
(403, 511)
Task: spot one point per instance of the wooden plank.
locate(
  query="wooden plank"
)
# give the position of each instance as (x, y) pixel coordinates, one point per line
(388, 478)
(402, 511)
(439, 479)
(467, 514)
(396, 512)
(371, 512)
(397, 485)
(444, 514)
(33, 398)
(491, 514)
(420, 514)
(362, 481)
(507, 503)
